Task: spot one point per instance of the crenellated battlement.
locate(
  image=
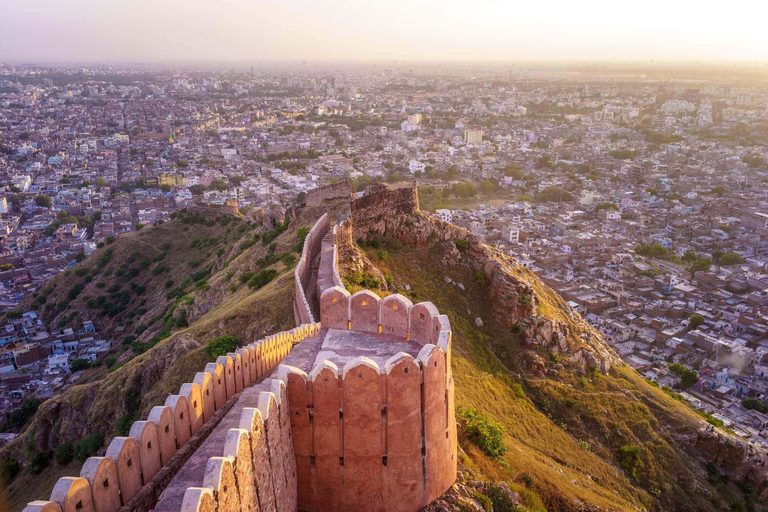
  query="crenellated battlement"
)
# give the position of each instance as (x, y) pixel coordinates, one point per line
(136, 468)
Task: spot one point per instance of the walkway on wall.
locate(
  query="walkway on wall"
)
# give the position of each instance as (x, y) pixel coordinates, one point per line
(302, 356)
(325, 267)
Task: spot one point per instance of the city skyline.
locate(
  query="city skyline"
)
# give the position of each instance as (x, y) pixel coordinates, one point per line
(487, 31)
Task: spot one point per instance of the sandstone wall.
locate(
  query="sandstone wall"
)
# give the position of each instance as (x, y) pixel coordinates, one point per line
(215, 210)
(257, 469)
(333, 191)
(312, 245)
(370, 438)
(136, 468)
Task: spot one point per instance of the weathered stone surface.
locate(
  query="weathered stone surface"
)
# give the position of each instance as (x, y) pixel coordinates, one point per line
(205, 382)
(198, 499)
(436, 441)
(72, 494)
(192, 393)
(166, 431)
(405, 480)
(251, 420)
(229, 375)
(364, 311)
(334, 308)
(181, 425)
(394, 315)
(327, 435)
(220, 476)
(42, 506)
(125, 452)
(219, 386)
(362, 430)
(301, 431)
(277, 460)
(238, 445)
(145, 433)
(101, 474)
(422, 316)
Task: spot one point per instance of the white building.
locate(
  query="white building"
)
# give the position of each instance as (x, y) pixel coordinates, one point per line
(444, 215)
(415, 165)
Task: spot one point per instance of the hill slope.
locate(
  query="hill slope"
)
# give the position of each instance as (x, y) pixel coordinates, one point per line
(185, 283)
(576, 438)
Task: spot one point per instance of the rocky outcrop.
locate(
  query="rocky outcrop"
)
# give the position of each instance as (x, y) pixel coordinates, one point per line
(515, 292)
(739, 459)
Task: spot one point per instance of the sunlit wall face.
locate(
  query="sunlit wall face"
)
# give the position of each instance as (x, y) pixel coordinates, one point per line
(473, 30)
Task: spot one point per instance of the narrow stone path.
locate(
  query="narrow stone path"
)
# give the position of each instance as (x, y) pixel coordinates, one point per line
(302, 356)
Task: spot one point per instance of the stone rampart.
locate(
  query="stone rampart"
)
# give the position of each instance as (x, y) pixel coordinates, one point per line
(257, 469)
(312, 244)
(330, 192)
(370, 438)
(135, 469)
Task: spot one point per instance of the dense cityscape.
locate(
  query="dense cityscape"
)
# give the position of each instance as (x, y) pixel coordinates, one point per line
(638, 195)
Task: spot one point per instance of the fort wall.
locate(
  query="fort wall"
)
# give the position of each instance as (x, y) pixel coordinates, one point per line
(135, 469)
(331, 192)
(257, 469)
(312, 245)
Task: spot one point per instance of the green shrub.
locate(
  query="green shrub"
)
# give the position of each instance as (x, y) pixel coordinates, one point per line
(480, 277)
(89, 445)
(39, 461)
(123, 424)
(79, 364)
(630, 459)
(687, 377)
(20, 416)
(301, 234)
(501, 501)
(64, 454)
(222, 345)
(462, 245)
(262, 278)
(483, 431)
(9, 468)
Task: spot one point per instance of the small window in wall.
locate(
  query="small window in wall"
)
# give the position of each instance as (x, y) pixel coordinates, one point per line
(194, 404)
(422, 316)
(167, 429)
(105, 483)
(181, 415)
(79, 505)
(129, 463)
(149, 445)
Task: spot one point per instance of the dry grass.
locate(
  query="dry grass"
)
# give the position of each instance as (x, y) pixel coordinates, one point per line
(564, 432)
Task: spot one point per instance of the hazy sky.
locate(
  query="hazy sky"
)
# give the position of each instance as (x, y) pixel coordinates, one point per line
(248, 30)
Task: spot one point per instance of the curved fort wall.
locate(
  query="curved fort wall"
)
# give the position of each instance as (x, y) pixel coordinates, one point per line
(362, 437)
(136, 468)
(312, 245)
